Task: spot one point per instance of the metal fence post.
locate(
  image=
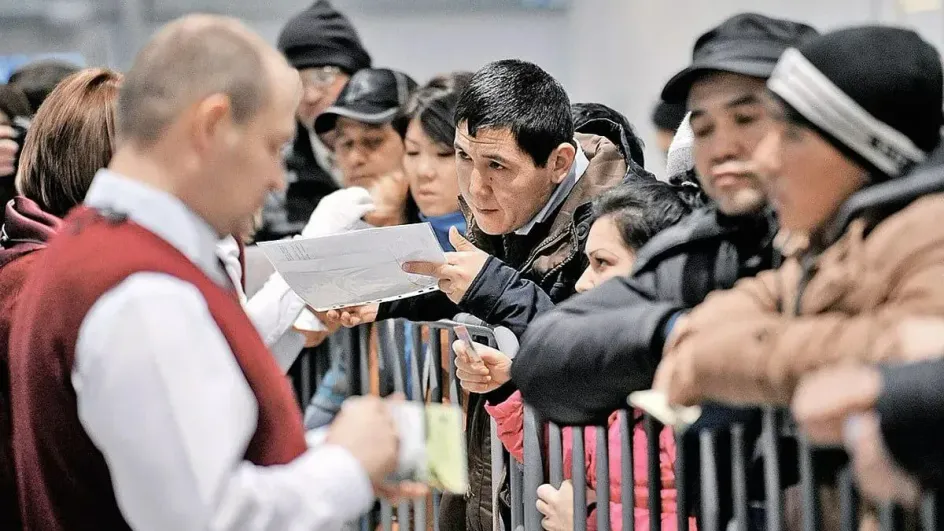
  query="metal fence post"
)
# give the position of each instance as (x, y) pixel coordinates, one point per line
(653, 428)
(627, 480)
(739, 478)
(579, 474)
(533, 469)
(555, 455)
(773, 492)
(710, 511)
(603, 478)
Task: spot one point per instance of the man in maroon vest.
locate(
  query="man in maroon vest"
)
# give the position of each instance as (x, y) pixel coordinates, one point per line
(142, 395)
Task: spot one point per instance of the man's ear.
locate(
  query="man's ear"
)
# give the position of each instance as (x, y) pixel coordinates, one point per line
(560, 161)
(212, 117)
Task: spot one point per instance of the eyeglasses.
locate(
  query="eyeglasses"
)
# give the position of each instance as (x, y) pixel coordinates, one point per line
(319, 77)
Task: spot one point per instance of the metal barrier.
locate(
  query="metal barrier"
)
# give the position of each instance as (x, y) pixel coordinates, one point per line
(747, 471)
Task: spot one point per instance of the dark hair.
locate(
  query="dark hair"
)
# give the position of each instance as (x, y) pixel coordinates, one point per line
(524, 98)
(641, 209)
(688, 188)
(593, 118)
(38, 79)
(13, 102)
(434, 105)
(668, 116)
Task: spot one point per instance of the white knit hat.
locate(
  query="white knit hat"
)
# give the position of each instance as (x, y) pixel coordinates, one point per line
(680, 158)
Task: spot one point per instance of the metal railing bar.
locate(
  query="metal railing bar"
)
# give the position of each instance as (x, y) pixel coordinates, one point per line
(710, 512)
(681, 483)
(533, 469)
(603, 478)
(579, 475)
(627, 481)
(771, 446)
(555, 454)
(739, 477)
(653, 428)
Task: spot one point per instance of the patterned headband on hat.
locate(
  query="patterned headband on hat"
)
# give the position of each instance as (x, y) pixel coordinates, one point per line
(819, 100)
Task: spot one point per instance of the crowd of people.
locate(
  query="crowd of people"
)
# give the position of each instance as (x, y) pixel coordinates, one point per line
(787, 259)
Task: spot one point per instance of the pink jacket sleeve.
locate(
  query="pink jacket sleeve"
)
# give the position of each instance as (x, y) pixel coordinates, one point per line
(509, 416)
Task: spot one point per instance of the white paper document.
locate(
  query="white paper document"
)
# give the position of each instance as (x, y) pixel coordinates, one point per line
(359, 267)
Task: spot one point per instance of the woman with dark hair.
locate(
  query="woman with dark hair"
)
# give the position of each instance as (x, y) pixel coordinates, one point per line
(428, 128)
(72, 137)
(625, 219)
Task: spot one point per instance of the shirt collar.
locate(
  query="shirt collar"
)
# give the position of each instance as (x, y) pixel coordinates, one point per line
(161, 213)
(577, 169)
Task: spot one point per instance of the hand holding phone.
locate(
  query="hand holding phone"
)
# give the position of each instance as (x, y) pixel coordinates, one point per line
(463, 334)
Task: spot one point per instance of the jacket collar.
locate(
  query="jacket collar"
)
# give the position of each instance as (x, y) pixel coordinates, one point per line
(880, 201)
(26, 228)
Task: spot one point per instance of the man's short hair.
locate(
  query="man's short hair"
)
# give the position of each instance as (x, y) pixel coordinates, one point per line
(188, 60)
(38, 79)
(522, 97)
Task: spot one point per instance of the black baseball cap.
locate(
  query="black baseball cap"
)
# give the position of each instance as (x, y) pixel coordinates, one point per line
(747, 44)
(372, 96)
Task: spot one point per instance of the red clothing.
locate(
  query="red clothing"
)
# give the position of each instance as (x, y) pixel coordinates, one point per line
(509, 416)
(27, 228)
(63, 479)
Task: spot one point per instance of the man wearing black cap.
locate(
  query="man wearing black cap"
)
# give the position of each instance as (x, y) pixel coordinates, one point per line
(324, 47)
(612, 336)
(368, 149)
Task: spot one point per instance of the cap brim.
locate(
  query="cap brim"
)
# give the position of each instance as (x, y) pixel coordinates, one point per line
(327, 120)
(677, 89)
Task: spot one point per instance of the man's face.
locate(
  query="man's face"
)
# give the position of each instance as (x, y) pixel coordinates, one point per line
(807, 179)
(729, 120)
(365, 152)
(247, 164)
(320, 88)
(500, 182)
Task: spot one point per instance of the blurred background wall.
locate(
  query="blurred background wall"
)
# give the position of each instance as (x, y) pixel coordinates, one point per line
(617, 52)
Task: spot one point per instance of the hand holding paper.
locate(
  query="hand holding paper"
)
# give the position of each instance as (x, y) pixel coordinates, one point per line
(356, 268)
(656, 404)
(459, 269)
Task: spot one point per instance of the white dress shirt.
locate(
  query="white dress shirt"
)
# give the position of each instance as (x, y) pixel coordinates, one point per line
(273, 309)
(161, 395)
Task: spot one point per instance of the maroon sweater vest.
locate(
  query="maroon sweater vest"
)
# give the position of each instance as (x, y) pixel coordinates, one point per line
(63, 480)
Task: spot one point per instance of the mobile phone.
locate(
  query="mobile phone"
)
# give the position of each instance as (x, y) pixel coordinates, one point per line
(463, 333)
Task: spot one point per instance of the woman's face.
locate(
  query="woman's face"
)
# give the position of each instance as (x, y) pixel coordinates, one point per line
(609, 256)
(431, 169)
(806, 178)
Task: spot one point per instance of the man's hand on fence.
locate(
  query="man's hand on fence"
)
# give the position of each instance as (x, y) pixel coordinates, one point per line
(879, 477)
(459, 270)
(825, 399)
(481, 376)
(350, 317)
(365, 428)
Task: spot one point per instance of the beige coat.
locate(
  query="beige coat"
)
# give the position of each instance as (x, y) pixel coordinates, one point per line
(752, 343)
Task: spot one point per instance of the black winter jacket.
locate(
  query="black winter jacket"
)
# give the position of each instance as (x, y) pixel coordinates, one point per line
(578, 362)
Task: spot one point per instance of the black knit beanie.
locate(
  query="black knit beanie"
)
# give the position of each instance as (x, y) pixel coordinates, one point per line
(874, 92)
(322, 36)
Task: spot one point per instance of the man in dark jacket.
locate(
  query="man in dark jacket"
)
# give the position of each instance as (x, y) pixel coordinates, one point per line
(526, 180)
(578, 363)
(324, 47)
